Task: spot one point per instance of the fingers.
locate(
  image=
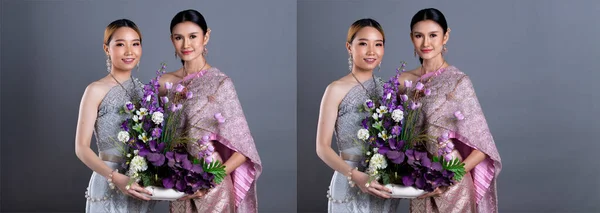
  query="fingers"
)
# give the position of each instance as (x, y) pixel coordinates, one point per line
(138, 195)
(437, 192)
(380, 187)
(378, 193)
(198, 194)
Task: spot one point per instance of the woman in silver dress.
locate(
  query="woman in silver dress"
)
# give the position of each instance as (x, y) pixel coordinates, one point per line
(339, 114)
(99, 114)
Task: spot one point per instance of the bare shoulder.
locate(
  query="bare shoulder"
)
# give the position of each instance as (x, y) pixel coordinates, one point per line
(410, 75)
(337, 89)
(96, 90)
(172, 77)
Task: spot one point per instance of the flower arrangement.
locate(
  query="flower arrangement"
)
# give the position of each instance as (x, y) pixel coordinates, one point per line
(396, 148)
(156, 150)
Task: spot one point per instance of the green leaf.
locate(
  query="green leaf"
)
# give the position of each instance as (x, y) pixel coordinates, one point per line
(216, 168)
(385, 177)
(455, 166)
(146, 179)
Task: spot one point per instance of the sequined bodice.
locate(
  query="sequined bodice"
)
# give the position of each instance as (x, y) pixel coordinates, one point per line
(349, 117)
(109, 119)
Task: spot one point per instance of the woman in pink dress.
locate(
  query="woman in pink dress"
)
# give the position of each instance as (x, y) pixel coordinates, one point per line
(452, 109)
(213, 111)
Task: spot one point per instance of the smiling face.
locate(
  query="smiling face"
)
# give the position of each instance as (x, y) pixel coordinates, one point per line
(124, 49)
(428, 38)
(189, 40)
(366, 48)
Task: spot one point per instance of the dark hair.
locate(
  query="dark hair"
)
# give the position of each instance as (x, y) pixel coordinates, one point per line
(115, 25)
(191, 16)
(429, 14)
(362, 23)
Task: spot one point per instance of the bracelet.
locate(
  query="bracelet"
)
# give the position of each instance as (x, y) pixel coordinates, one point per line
(350, 182)
(111, 185)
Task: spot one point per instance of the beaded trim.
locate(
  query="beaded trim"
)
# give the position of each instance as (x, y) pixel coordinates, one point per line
(91, 199)
(348, 198)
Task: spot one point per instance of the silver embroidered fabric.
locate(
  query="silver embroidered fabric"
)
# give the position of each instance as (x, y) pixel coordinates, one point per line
(106, 129)
(347, 125)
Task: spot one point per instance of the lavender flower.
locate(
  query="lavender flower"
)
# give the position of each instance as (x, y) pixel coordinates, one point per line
(164, 99)
(427, 92)
(404, 97)
(179, 88)
(168, 85)
(220, 118)
(459, 116)
(415, 105)
(407, 83)
(189, 95)
(369, 104)
(419, 86)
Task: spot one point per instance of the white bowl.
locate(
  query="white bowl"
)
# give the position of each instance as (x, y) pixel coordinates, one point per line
(400, 191)
(159, 193)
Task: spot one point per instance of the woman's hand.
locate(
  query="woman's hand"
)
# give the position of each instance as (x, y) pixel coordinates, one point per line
(374, 188)
(135, 190)
(198, 194)
(436, 193)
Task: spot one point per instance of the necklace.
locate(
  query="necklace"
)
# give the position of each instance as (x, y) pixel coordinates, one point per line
(126, 91)
(185, 73)
(436, 73)
(363, 86)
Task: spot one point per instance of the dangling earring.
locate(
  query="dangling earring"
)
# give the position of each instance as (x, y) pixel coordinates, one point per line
(350, 62)
(205, 52)
(415, 52)
(379, 70)
(108, 63)
(445, 50)
(138, 67)
(175, 54)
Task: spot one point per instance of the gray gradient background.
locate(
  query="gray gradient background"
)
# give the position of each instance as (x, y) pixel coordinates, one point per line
(51, 50)
(534, 66)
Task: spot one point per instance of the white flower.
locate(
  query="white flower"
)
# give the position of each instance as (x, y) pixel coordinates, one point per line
(381, 110)
(138, 164)
(377, 162)
(389, 95)
(123, 136)
(363, 134)
(375, 150)
(141, 113)
(144, 137)
(383, 135)
(397, 115)
(128, 155)
(135, 118)
(148, 97)
(375, 116)
(157, 117)
(136, 152)
(369, 153)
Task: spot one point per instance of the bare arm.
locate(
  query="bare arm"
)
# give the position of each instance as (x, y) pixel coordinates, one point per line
(234, 162)
(325, 127)
(473, 159)
(88, 110)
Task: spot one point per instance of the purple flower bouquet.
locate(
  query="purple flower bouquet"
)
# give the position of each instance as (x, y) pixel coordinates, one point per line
(396, 152)
(156, 152)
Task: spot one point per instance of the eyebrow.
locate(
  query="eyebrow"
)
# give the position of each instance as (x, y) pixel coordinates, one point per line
(175, 34)
(429, 32)
(364, 39)
(121, 40)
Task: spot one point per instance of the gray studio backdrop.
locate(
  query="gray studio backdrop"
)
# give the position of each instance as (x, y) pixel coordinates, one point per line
(51, 50)
(534, 66)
